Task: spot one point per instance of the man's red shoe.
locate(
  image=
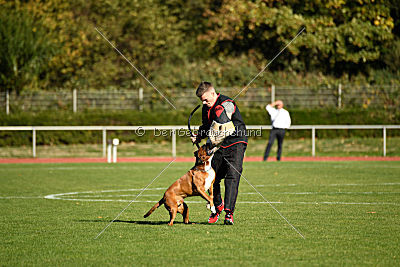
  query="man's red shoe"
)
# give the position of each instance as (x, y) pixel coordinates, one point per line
(228, 218)
(214, 216)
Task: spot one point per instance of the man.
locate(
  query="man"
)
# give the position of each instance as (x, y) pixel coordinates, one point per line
(220, 112)
(280, 122)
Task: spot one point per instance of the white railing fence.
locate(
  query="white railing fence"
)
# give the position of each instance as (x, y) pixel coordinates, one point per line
(174, 129)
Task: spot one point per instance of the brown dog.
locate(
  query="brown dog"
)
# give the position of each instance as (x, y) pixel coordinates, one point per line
(195, 182)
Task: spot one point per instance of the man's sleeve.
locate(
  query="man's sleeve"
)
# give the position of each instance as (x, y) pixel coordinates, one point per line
(289, 119)
(272, 111)
(225, 111)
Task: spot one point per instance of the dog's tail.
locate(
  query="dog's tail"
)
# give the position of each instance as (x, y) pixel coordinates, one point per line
(158, 204)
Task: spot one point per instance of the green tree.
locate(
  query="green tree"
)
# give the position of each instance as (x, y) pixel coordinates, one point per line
(176, 43)
(25, 51)
(340, 34)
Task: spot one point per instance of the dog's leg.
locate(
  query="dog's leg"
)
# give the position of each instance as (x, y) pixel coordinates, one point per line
(185, 213)
(184, 210)
(210, 200)
(211, 193)
(172, 215)
(173, 209)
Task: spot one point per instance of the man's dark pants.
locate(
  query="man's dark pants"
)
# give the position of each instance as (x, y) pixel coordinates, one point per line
(228, 165)
(279, 134)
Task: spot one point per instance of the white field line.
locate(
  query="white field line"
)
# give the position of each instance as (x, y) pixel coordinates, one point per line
(325, 193)
(15, 197)
(245, 193)
(71, 195)
(239, 202)
(111, 168)
(80, 196)
(65, 196)
(110, 196)
(322, 185)
(349, 203)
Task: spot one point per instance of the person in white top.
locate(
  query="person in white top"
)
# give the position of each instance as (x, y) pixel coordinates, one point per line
(280, 119)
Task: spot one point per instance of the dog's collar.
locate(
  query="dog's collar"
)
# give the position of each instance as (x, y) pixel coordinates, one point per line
(206, 169)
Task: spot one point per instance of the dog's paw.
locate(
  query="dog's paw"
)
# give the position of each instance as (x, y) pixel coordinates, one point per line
(208, 206)
(213, 209)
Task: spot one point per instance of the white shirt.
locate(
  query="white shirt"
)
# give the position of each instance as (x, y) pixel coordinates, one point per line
(280, 117)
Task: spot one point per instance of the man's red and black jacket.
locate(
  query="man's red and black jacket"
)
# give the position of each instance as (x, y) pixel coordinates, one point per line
(218, 113)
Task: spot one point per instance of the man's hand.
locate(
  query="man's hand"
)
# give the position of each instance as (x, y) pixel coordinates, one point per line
(277, 103)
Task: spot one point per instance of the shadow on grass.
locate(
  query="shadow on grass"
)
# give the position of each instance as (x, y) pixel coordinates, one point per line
(161, 223)
(142, 222)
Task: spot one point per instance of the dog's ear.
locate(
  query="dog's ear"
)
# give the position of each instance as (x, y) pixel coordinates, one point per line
(196, 153)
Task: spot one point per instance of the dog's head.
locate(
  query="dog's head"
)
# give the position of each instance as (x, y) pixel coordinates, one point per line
(204, 153)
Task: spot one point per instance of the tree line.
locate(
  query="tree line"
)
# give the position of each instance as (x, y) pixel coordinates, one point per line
(177, 43)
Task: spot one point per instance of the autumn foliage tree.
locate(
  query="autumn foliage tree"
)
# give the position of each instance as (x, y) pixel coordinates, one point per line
(48, 44)
(25, 51)
(340, 35)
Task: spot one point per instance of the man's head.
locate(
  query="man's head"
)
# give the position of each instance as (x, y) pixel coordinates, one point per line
(206, 92)
(279, 104)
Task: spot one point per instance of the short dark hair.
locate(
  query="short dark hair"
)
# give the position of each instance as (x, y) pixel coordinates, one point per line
(202, 88)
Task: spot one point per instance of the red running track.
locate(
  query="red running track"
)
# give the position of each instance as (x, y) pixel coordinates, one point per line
(184, 159)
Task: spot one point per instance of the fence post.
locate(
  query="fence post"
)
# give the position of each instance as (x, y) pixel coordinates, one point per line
(74, 100)
(109, 151)
(272, 93)
(384, 141)
(173, 143)
(339, 95)
(115, 143)
(104, 142)
(141, 99)
(34, 142)
(7, 102)
(313, 141)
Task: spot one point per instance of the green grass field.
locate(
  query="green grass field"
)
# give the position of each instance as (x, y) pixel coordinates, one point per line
(349, 213)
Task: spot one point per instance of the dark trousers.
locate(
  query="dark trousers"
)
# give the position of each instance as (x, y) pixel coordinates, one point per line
(228, 164)
(278, 134)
